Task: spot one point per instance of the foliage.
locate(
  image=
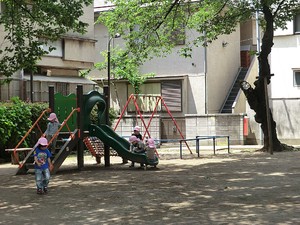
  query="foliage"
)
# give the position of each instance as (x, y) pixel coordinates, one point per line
(28, 25)
(94, 115)
(16, 117)
(147, 26)
(124, 67)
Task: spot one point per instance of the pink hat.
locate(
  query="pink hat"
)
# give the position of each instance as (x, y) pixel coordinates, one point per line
(136, 128)
(133, 138)
(42, 141)
(52, 117)
(151, 143)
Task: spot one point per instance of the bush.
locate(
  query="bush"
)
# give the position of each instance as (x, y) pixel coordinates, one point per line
(94, 116)
(16, 118)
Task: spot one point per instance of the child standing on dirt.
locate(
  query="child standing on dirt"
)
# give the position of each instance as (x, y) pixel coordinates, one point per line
(42, 165)
(52, 128)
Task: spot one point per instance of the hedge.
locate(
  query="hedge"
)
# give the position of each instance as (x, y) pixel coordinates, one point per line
(16, 118)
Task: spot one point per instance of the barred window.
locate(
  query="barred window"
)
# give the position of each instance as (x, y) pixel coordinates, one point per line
(171, 92)
(62, 88)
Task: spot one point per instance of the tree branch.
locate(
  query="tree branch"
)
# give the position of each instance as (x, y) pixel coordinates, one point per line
(278, 8)
(167, 13)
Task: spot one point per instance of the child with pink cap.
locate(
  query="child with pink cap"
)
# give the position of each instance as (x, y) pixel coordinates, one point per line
(136, 146)
(52, 128)
(136, 132)
(42, 165)
(150, 149)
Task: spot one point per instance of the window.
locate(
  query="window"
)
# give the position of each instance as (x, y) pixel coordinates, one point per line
(297, 24)
(62, 88)
(296, 78)
(147, 100)
(171, 93)
(178, 36)
(58, 51)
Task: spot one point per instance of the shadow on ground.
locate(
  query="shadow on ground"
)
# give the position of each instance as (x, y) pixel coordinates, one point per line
(247, 188)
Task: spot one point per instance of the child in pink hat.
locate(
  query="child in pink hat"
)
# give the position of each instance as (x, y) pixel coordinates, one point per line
(150, 149)
(52, 128)
(136, 146)
(136, 132)
(42, 165)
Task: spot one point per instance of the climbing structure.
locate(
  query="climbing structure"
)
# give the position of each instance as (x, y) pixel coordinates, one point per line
(77, 128)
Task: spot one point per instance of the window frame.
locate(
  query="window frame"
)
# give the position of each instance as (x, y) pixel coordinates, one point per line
(297, 23)
(296, 73)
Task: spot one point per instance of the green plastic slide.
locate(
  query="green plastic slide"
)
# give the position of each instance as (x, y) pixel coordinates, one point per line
(121, 145)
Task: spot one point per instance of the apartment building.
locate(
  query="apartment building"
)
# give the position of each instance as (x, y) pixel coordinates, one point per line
(61, 68)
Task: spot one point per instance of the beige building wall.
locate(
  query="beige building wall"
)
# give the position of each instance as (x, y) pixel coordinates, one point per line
(223, 62)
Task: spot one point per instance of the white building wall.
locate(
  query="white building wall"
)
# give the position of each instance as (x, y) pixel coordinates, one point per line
(284, 96)
(284, 58)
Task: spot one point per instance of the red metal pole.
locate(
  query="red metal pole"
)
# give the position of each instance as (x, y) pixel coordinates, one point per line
(123, 111)
(140, 114)
(174, 121)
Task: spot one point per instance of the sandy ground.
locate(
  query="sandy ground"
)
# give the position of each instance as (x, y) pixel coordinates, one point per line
(243, 187)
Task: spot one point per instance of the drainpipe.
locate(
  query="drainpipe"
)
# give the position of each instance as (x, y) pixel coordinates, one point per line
(205, 74)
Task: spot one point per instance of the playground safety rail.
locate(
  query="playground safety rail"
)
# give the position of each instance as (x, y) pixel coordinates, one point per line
(199, 138)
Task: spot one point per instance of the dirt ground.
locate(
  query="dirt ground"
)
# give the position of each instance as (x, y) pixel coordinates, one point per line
(244, 187)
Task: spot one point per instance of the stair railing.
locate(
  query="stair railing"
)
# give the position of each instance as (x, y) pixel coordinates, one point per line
(228, 93)
(62, 125)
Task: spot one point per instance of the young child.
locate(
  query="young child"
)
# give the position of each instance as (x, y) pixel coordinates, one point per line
(42, 165)
(52, 128)
(136, 132)
(150, 149)
(136, 146)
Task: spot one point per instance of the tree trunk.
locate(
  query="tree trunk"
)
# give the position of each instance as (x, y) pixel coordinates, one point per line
(257, 97)
(256, 100)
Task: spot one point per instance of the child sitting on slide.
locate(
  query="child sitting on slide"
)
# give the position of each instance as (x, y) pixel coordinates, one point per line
(136, 146)
(150, 150)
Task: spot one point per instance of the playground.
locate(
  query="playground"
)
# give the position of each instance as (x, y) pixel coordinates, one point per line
(236, 186)
(244, 187)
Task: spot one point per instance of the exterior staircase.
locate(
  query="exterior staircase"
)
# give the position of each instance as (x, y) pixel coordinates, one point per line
(227, 106)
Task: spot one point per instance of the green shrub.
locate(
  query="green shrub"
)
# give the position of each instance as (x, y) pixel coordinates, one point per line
(94, 115)
(16, 118)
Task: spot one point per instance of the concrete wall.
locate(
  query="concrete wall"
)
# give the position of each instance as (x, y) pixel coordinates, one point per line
(286, 116)
(206, 125)
(127, 123)
(216, 124)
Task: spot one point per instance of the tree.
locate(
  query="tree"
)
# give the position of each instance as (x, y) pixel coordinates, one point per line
(124, 67)
(29, 24)
(147, 26)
